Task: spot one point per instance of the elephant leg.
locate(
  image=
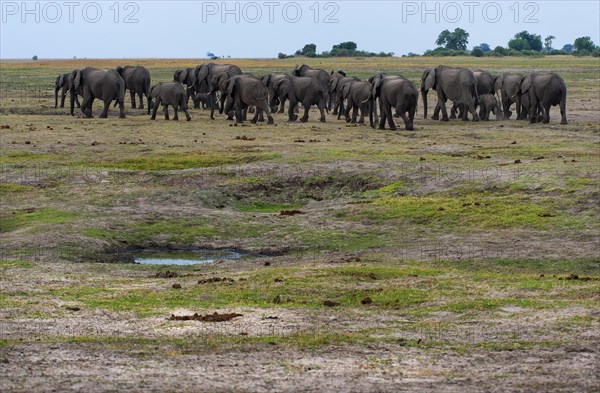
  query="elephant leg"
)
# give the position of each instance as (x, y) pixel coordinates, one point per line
(213, 98)
(141, 96)
(321, 106)
(546, 113)
(132, 95)
(533, 109)
(347, 114)
(336, 108)
(88, 110)
(154, 109)
(166, 111)
(436, 112)
(363, 109)
(473, 113)
(442, 104)
(401, 110)
(563, 109)
(374, 104)
(390, 117)
(176, 112)
(282, 106)
(291, 114)
(264, 107)
(354, 112)
(121, 108)
(257, 115)
(104, 113)
(453, 111)
(341, 108)
(304, 118)
(411, 114)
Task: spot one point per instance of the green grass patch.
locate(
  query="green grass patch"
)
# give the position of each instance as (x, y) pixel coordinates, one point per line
(34, 217)
(9, 188)
(20, 157)
(266, 207)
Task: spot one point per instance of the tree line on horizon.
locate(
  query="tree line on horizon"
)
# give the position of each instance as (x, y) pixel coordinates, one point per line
(454, 43)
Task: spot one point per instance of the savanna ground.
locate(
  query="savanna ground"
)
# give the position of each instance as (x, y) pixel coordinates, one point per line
(476, 244)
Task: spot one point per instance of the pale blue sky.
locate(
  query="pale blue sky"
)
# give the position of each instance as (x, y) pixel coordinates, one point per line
(188, 29)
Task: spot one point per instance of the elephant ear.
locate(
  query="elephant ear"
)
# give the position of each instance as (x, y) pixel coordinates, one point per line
(77, 79)
(266, 79)
(429, 80)
(230, 86)
(376, 84)
(498, 80)
(341, 72)
(222, 80)
(60, 80)
(525, 84)
(119, 69)
(333, 84)
(277, 85)
(183, 75)
(346, 90)
(201, 72)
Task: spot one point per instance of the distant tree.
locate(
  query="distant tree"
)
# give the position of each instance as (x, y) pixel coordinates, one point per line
(34, 58)
(477, 52)
(348, 45)
(484, 47)
(499, 51)
(518, 44)
(584, 44)
(456, 40)
(309, 50)
(568, 48)
(548, 42)
(534, 41)
(281, 55)
(210, 55)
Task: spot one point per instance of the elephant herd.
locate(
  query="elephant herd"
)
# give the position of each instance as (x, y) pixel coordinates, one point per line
(381, 97)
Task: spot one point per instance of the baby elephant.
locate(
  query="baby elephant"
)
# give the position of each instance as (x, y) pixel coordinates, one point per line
(488, 104)
(168, 93)
(203, 99)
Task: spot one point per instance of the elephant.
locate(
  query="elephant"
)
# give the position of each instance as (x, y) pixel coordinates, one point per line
(187, 77)
(317, 73)
(206, 72)
(485, 85)
(358, 95)
(395, 92)
(335, 87)
(244, 91)
(307, 90)
(508, 84)
(268, 81)
(168, 93)
(63, 82)
(376, 100)
(489, 104)
(334, 75)
(451, 83)
(201, 90)
(544, 91)
(137, 81)
(202, 99)
(92, 83)
(227, 101)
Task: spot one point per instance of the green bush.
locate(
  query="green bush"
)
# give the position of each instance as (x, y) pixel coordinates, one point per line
(477, 52)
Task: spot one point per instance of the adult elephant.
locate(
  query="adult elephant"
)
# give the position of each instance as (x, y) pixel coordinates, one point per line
(334, 75)
(451, 83)
(63, 83)
(544, 91)
(335, 87)
(92, 83)
(508, 85)
(168, 93)
(268, 80)
(307, 90)
(485, 85)
(398, 93)
(244, 91)
(137, 81)
(377, 78)
(206, 72)
(358, 96)
(320, 74)
(187, 77)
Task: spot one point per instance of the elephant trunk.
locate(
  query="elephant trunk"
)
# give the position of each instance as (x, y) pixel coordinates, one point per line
(424, 93)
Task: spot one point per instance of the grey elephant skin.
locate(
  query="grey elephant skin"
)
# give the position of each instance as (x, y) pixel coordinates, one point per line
(489, 104)
(220, 82)
(508, 85)
(451, 83)
(299, 89)
(320, 74)
(334, 75)
(335, 87)
(93, 83)
(544, 91)
(396, 92)
(485, 85)
(137, 81)
(63, 82)
(169, 93)
(206, 72)
(358, 97)
(187, 77)
(268, 80)
(244, 91)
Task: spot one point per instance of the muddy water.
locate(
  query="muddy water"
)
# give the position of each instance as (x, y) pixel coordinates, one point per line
(196, 257)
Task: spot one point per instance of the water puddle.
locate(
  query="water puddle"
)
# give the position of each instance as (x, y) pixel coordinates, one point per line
(194, 257)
